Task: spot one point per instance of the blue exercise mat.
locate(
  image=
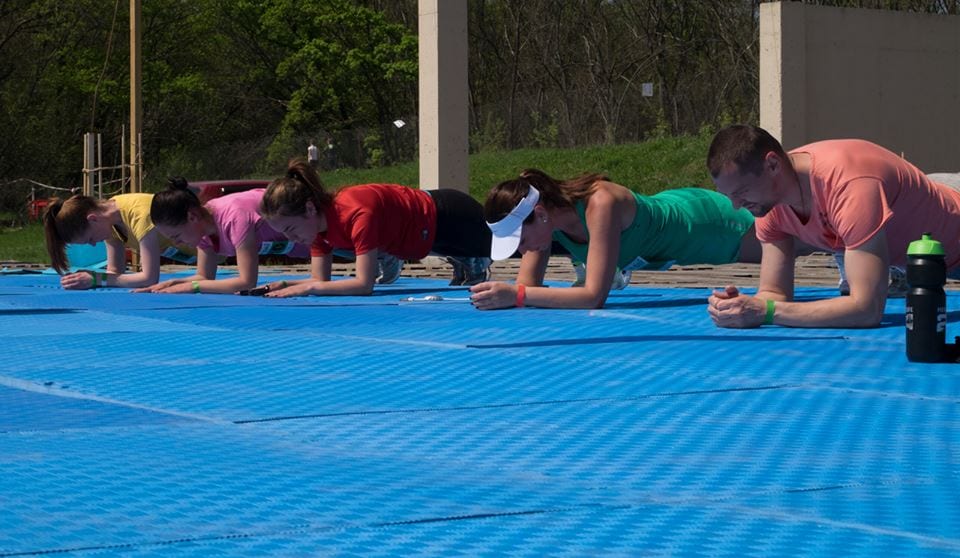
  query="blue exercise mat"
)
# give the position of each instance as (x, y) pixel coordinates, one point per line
(155, 425)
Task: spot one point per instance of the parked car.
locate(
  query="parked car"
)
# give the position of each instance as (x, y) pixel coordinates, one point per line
(207, 190)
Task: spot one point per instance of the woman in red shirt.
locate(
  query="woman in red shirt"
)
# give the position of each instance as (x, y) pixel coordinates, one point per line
(371, 219)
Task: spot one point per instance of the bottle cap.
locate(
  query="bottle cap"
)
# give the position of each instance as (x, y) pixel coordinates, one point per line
(926, 246)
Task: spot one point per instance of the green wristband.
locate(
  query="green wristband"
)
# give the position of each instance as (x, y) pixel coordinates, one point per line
(283, 284)
(768, 318)
(196, 287)
(97, 279)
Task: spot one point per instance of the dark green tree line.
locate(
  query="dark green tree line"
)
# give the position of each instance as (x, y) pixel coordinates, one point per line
(235, 87)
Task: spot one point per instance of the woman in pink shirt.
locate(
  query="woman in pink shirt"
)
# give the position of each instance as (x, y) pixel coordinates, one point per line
(223, 227)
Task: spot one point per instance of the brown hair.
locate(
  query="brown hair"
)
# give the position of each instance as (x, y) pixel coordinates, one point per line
(553, 193)
(288, 196)
(63, 221)
(743, 145)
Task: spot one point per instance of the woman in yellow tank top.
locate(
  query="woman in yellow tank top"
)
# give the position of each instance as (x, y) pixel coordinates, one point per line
(120, 222)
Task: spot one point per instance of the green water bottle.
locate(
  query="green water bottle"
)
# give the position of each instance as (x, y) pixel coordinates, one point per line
(926, 304)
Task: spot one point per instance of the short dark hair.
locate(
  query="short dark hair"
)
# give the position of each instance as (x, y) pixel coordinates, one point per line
(744, 145)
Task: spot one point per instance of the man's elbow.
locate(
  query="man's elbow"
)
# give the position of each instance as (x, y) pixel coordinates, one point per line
(871, 315)
(874, 318)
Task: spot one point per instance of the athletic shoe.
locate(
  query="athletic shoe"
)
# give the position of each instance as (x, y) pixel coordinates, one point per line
(389, 267)
(459, 272)
(842, 285)
(580, 269)
(897, 286)
(476, 271)
(620, 278)
(898, 283)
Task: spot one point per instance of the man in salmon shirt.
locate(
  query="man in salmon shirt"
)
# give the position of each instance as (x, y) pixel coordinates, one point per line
(847, 196)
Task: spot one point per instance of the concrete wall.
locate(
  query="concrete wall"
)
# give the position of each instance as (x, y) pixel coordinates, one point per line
(889, 77)
(444, 120)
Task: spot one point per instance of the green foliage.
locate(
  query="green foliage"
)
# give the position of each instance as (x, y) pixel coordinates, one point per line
(233, 87)
(23, 244)
(490, 136)
(373, 147)
(347, 66)
(546, 130)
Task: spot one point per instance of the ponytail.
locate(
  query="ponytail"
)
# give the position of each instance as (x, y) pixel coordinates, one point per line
(288, 196)
(56, 245)
(63, 221)
(172, 206)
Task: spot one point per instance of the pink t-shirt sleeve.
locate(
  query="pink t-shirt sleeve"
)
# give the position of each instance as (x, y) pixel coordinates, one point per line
(769, 227)
(859, 209)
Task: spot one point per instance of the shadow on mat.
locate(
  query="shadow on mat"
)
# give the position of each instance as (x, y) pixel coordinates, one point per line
(656, 339)
(410, 291)
(36, 311)
(699, 301)
(655, 303)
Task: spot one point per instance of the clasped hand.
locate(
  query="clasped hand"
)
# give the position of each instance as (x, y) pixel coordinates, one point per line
(729, 308)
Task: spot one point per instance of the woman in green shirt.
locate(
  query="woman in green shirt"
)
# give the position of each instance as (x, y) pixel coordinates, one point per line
(609, 227)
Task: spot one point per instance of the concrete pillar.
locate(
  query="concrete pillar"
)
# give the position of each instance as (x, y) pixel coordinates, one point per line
(783, 72)
(443, 126)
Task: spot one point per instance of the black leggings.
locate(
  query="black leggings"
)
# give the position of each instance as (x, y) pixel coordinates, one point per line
(461, 228)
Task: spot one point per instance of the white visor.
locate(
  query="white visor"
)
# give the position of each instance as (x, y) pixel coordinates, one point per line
(506, 231)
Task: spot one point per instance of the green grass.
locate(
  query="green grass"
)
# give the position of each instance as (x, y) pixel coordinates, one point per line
(647, 167)
(23, 244)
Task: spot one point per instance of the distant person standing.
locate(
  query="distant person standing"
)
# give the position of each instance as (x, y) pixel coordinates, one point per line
(313, 155)
(331, 154)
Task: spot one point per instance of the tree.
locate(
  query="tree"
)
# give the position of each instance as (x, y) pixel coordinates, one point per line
(348, 67)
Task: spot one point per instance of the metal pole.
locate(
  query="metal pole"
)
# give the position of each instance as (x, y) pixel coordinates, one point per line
(99, 166)
(136, 102)
(139, 161)
(123, 158)
(88, 164)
